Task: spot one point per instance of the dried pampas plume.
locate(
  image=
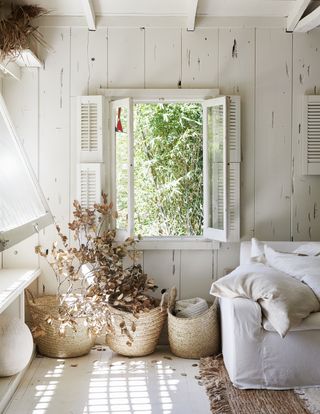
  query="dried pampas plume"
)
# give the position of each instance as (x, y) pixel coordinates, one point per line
(16, 29)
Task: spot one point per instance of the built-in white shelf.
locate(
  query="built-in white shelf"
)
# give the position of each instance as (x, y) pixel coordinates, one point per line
(12, 285)
(25, 58)
(13, 282)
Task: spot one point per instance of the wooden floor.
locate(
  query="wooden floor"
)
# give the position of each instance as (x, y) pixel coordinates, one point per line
(103, 382)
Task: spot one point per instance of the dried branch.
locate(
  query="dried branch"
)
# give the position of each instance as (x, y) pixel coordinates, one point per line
(91, 278)
(17, 31)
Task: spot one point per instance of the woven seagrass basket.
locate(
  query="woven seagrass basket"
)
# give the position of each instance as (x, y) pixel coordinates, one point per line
(51, 344)
(148, 326)
(195, 337)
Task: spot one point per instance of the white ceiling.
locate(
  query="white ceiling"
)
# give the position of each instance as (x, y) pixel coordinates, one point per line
(274, 8)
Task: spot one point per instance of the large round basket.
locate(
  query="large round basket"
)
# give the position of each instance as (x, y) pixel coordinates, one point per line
(148, 326)
(51, 344)
(195, 337)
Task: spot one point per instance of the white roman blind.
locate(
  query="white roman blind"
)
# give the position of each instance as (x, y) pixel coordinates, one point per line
(89, 184)
(221, 175)
(91, 128)
(311, 136)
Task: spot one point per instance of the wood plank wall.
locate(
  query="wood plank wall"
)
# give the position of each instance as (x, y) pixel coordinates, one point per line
(269, 68)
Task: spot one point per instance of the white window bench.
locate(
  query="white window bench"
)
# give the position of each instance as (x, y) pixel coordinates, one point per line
(12, 285)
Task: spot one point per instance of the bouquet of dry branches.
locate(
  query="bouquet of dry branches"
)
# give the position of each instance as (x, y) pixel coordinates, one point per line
(91, 277)
(17, 31)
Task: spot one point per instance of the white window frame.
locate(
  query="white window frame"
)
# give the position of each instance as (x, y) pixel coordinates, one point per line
(157, 96)
(128, 104)
(210, 232)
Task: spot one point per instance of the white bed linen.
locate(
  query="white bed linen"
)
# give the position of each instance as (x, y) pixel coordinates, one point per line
(257, 358)
(284, 300)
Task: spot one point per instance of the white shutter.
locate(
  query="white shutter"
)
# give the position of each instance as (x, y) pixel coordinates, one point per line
(234, 201)
(89, 184)
(234, 128)
(311, 136)
(218, 170)
(91, 128)
(221, 173)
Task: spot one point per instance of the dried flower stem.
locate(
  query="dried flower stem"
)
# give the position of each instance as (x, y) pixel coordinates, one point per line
(91, 278)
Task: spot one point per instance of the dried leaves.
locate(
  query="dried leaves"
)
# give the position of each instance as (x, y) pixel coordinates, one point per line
(17, 31)
(90, 273)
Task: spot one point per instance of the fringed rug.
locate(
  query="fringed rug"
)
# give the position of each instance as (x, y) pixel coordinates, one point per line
(226, 399)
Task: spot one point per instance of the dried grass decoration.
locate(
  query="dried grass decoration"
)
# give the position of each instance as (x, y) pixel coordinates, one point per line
(17, 31)
(92, 279)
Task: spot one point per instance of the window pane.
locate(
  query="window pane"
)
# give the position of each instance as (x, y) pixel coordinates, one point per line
(215, 166)
(122, 173)
(20, 202)
(168, 189)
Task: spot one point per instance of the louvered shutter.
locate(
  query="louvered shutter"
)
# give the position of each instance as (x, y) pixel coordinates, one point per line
(234, 201)
(233, 128)
(311, 136)
(90, 184)
(91, 111)
(221, 152)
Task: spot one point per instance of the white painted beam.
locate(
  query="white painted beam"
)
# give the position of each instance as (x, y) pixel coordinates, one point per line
(164, 21)
(296, 13)
(89, 13)
(309, 22)
(192, 13)
(10, 68)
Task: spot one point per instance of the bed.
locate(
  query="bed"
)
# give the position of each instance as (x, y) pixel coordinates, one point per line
(256, 357)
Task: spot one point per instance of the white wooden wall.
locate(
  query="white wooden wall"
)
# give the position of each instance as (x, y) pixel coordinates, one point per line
(269, 68)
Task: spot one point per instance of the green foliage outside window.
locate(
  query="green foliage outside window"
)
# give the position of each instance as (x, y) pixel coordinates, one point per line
(168, 187)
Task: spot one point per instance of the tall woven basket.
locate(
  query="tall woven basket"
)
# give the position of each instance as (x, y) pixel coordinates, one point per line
(51, 344)
(195, 337)
(148, 328)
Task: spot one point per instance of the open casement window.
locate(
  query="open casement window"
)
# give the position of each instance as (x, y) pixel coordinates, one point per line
(122, 164)
(221, 175)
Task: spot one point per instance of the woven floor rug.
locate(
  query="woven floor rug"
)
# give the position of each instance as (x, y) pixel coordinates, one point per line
(226, 399)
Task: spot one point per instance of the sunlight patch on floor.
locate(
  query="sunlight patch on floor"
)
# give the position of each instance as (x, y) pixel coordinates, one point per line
(103, 382)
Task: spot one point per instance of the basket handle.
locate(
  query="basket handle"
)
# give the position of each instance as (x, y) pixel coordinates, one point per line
(172, 298)
(163, 302)
(29, 296)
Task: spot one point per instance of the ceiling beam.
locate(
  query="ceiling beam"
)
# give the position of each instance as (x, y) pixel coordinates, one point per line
(192, 13)
(296, 14)
(89, 13)
(309, 22)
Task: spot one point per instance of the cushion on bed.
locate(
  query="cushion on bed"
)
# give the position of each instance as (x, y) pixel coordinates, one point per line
(284, 301)
(304, 268)
(308, 249)
(257, 251)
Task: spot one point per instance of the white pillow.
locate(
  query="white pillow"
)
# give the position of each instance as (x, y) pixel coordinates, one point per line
(304, 268)
(309, 249)
(285, 301)
(257, 251)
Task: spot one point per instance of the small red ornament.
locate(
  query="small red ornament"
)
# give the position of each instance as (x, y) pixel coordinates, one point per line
(119, 124)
